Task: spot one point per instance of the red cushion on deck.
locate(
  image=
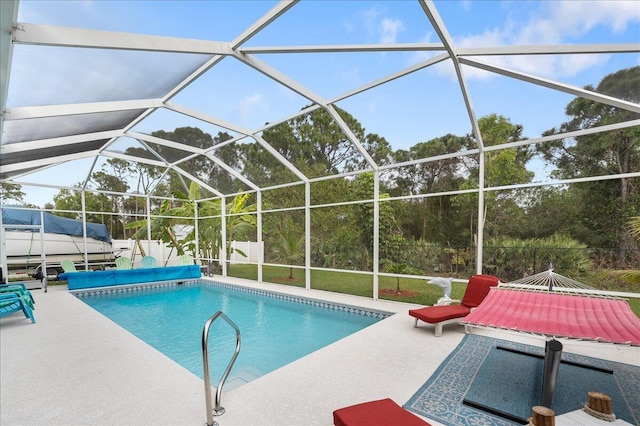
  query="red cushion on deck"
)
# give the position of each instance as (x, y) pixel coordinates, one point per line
(477, 289)
(383, 412)
(435, 314)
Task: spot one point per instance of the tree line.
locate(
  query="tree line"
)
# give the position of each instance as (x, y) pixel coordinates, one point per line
(428, 210)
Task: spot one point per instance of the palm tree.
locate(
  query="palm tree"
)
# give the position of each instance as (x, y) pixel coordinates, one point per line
(290, 248)
(631, 276)
(240, 221)
(161, 228)
(401, 269)
(209, 223)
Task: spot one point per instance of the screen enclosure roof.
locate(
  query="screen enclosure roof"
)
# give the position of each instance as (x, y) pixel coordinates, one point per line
(77, 95)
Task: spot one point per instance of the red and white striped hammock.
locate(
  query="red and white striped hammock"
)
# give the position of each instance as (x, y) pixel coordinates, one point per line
(557, 314)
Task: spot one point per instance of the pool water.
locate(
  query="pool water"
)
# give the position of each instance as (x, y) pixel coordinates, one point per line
(275, 330)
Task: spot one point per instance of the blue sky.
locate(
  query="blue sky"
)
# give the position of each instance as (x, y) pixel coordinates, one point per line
(413, 109)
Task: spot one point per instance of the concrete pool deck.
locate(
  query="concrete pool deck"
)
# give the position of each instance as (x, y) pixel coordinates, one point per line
(76, 367)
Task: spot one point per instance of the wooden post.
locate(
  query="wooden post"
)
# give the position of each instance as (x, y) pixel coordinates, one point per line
(600, 402)
(542, 416)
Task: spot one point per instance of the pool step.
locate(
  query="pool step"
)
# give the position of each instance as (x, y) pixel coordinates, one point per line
(242, 378)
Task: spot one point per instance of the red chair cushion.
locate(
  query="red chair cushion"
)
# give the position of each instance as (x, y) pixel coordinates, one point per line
(436, 314)
(477, 289)
(383, 412)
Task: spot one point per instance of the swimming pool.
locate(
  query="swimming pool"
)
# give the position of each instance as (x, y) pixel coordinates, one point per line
(276, 329)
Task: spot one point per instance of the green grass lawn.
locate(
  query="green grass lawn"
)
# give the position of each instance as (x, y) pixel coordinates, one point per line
(412, 290)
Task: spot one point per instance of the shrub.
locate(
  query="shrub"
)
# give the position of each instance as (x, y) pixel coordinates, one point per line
(512, 258)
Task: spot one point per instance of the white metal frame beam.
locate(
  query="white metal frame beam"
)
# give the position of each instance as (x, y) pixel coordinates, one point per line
(194, 150)
(23, 113)
(48, 161)
(49, 35)
(46, 35)
(17, 147)
(576, 91)
(461, 51)
(8, 18)
(434, 17)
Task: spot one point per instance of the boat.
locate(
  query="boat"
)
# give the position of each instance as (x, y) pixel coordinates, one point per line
(29, 236)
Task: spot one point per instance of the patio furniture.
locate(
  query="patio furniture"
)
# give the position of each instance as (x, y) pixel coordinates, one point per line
(383, 412)
(148, 262)
(477, 289)
(19, 289)
(11, 303)
(123, 263)
(186, 259)
(553, 314)
(586, 316)
(68, 265)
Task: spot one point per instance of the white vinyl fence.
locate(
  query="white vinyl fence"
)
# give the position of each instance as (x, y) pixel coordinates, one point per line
(166, 256)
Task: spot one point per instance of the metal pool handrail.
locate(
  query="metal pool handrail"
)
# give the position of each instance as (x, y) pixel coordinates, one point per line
(205, 361)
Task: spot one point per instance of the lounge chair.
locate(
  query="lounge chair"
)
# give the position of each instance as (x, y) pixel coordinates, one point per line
(148, 262)
(68, 266)
(476, 291)
(21, 290)
(186, 259)
(11, 303)
(383, 412)
(123, 263)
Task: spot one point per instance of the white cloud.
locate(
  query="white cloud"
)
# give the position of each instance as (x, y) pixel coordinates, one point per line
(370, 19)
(249, 105)
(376, 25)
(578, 17)
(561, 20)
(389, 29)
(420, 56)
(553, 23)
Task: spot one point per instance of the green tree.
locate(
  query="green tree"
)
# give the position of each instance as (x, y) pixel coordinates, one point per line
(241, 221)
(232, 156)
(146, 180)
(198, 165)
(551, 210)
(70, 200)
(11, 191)
(113, 178)
(208, 231)
(183, 213)
(316, 145)
(378, 149)
(401, 269)
(631, 276)
(502, 212)
(511, 258)
(290, 248)
(260, 166)
(604, 206)
(423, 218)
(162, 228)
(388, 228)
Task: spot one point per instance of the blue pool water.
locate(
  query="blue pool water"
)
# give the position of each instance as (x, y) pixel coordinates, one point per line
(275, 329)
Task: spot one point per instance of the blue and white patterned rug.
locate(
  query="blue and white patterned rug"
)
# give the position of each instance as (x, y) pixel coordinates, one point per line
(441, 397)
